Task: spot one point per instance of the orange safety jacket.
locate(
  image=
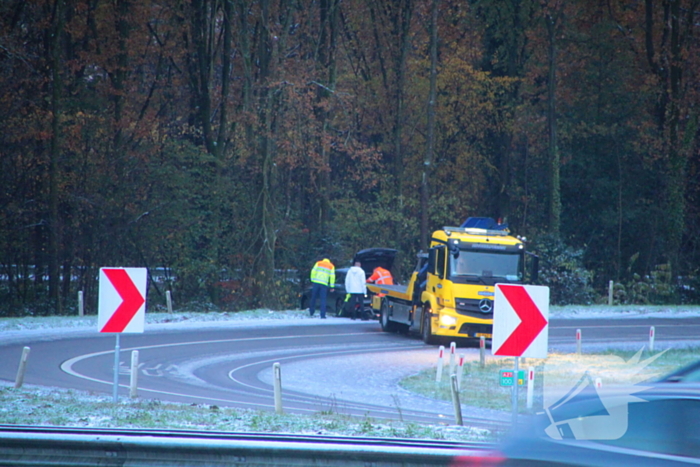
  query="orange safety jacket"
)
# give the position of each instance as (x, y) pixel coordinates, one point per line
(381, 276)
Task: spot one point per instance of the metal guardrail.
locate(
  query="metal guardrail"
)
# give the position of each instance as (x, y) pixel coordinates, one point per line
(32, 446)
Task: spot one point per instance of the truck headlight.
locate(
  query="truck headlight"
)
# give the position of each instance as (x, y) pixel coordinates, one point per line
(446, 320)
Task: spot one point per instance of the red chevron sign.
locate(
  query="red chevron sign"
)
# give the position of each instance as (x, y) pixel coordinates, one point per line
(122, 299)
(520, 321)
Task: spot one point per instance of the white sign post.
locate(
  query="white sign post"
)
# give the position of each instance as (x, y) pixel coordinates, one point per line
(121, 306)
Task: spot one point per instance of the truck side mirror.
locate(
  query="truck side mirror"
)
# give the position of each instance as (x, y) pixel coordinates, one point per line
(534, 267)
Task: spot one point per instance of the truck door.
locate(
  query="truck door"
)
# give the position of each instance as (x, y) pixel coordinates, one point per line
(436, 272)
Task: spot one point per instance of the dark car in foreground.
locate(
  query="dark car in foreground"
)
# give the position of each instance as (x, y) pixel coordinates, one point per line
(369, 258)
(687, 374)
(657, 426)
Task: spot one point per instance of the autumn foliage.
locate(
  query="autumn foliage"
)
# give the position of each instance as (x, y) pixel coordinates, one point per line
(233, 141)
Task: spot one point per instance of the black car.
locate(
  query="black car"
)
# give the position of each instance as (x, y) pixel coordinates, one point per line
(657, 426)
(369, 259)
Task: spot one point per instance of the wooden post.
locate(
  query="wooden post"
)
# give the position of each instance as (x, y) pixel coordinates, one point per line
(277, 374)
(455, 400)
(133, 387)
(482, 352)
(22, 368)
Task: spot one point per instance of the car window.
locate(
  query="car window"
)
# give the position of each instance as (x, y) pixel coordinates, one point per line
(668, 426)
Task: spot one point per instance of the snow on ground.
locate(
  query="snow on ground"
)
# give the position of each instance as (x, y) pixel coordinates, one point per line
(623, 311)
(11, 327)
(347, 377)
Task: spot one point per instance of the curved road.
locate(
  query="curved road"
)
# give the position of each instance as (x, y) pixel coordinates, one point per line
(341, 366)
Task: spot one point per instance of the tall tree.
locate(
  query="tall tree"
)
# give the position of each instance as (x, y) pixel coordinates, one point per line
(54, 47)
(552, 18)
(668, 30)
(430, 148)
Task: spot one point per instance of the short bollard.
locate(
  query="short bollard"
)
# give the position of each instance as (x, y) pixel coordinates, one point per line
(578, 342)
(169, 301)
(482, 352)
(460, 371)
(22, 368)
(652, 335)
(530, 386)
(455, 400)
(134, 382)
(441, 356)
(81, 306)
(453, 350)
(277, 375)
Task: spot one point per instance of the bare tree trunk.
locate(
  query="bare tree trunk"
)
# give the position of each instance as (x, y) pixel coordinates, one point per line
(554, 181)
(667, 64)
(404, 26)
(119, 76)
(225, 78)
(676, 158)
(54, 154)
(425, 192)
(266, 216)
(327, 59)
(202, 31)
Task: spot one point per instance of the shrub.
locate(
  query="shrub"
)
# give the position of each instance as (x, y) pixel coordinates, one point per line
(656, 288)
(562, 270)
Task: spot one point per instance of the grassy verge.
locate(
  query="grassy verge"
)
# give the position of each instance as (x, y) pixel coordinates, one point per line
(553, 376)
(38, 406)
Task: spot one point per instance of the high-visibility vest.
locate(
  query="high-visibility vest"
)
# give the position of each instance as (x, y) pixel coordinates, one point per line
(323, 272)
(381, 276)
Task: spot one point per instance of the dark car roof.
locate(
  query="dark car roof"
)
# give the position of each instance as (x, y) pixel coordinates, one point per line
(687, 374)
(371, 258)
(664, 421)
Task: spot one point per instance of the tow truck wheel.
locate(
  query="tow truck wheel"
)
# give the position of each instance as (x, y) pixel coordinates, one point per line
(387, 324)
(426, 328)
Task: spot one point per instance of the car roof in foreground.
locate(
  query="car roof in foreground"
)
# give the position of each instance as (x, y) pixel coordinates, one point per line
(655, 425)
(687, 374)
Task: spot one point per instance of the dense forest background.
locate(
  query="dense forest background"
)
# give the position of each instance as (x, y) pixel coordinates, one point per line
(224, 144)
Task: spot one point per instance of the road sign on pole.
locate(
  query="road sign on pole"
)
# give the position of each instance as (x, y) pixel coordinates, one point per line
(520, 321)
(122, 300)
(506, 377)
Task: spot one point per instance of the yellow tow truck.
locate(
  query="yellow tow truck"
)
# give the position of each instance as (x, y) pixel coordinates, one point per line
(450, 293)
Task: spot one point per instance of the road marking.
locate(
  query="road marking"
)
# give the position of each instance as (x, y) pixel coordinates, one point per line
(646, 326)
(67, 366)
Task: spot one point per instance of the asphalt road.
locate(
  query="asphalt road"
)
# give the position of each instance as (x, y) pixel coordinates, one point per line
(606, 331)
(231, 366)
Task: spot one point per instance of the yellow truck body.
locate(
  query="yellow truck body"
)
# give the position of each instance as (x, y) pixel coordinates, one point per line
(451, 291)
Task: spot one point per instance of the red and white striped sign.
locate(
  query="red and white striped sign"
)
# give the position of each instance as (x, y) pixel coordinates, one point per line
(520, 321)
(122, 300)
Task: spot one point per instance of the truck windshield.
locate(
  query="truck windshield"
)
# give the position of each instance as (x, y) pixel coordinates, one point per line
(504, 265)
